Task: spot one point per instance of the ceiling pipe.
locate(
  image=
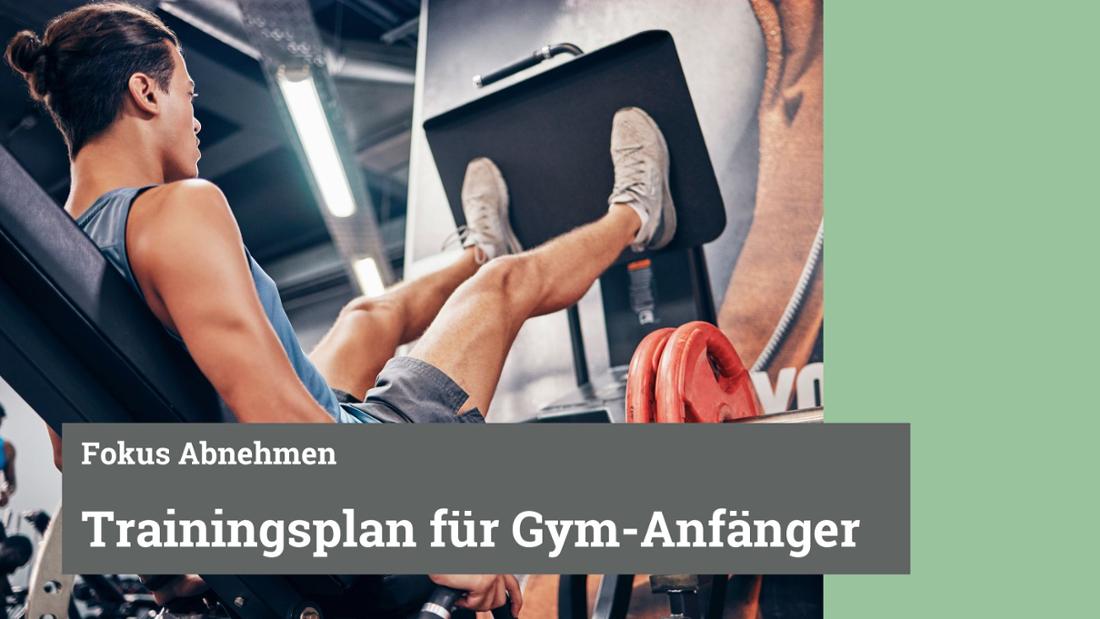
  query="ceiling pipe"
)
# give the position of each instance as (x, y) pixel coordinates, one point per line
(223, 21)
(342, 67)
(406, 29)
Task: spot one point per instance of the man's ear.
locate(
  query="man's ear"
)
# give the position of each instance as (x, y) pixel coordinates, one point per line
(144, 93)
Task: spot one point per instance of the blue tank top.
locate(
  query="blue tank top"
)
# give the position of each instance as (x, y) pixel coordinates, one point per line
(105, 222)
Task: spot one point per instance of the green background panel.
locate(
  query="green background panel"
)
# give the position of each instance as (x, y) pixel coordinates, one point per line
(961, 170)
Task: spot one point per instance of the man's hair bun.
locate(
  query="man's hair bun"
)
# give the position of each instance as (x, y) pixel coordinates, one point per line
(79, 67)
(27, 55)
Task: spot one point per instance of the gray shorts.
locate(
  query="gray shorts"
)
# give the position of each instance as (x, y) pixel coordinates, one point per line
(409, 390)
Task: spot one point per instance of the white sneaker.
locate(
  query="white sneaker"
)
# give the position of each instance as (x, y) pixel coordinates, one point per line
(640, 155)
(485, 203)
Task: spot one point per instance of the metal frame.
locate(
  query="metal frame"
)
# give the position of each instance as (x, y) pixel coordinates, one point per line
(690, 596)
(50, 591)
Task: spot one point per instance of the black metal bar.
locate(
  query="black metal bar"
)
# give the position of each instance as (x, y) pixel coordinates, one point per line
(690, 602)
(613, 599)
(717, 596)
(676, 604)
(576, 340)
(543, 53)
(573, 596)
(704, 297)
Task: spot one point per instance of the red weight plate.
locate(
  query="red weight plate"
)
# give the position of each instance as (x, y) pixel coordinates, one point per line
(700, 378)
(641, 377)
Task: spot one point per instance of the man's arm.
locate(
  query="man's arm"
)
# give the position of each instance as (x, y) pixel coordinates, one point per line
(187, 253)
(55, 442)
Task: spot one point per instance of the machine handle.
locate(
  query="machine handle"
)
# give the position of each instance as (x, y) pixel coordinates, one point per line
(439, 604)
(442, 602)
(543, 53)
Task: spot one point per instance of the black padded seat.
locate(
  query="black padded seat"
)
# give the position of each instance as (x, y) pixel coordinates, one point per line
(76, 341)
(80, 345)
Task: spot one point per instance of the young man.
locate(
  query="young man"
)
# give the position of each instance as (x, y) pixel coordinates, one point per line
(114, 80)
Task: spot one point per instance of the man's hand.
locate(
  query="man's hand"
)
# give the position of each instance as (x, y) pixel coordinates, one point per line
(483, 591)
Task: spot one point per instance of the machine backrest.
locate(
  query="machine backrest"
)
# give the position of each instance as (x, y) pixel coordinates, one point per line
(80, 345)
(76, 341)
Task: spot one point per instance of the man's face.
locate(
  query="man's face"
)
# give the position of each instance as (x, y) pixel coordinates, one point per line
(179, 126)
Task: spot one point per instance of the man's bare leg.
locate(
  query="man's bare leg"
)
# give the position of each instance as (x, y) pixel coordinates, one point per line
(368, 330)
(470, 338)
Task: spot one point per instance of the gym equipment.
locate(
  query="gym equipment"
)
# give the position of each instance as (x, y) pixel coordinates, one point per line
(691, 374)
(683, 594)
(803, 415)
(49, 590)
(545, 52)
(15, 552)
(111, 597)
(701, 378)
(641, 381)
(442, 603)
(612, 596)
(38, 519)
(687, 374)
(549, 136)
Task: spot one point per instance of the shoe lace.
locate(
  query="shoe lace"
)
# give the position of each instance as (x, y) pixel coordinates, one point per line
(479, 231)
(630, 170)
(481, 227)
(458, 237)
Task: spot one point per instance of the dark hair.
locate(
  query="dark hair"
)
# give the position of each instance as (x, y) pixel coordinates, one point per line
(81, 67)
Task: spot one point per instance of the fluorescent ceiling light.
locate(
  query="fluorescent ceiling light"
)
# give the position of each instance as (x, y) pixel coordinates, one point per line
(370, 280)
(311, 124)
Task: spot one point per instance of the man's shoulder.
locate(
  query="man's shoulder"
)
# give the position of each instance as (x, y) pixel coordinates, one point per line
(176, 206)
(189, 212)
(186, 195)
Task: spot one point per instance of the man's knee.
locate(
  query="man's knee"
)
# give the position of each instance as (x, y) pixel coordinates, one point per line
(510, 276)
(372, 314)
(382, 304)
